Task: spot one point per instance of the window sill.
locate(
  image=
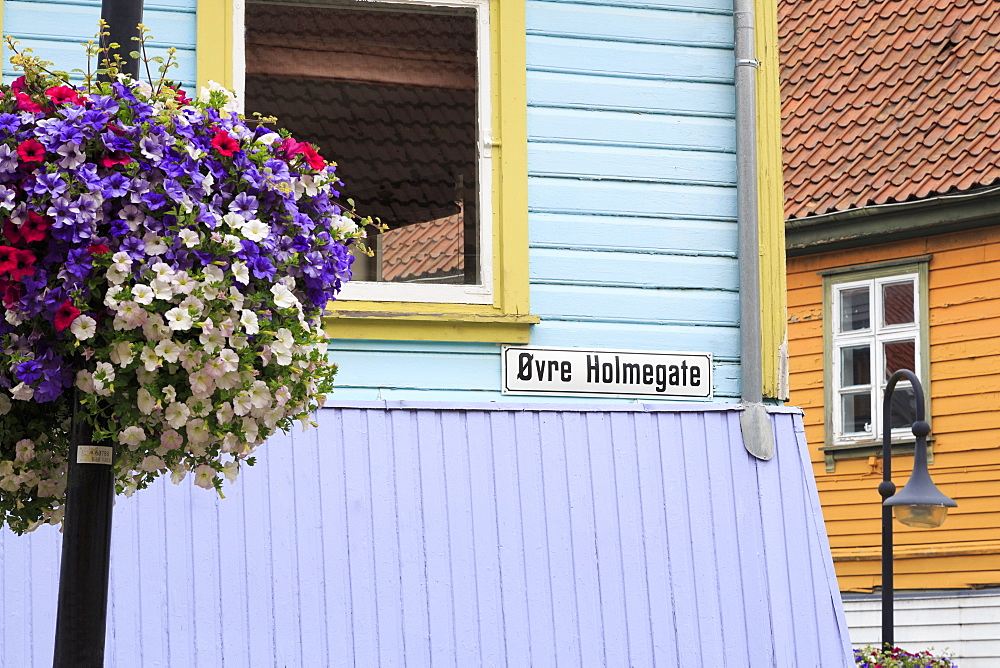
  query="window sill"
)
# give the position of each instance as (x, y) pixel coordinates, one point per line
(396, 321)
(865, 449)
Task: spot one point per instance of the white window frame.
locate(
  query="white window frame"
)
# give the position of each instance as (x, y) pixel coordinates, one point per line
(876, 337)
(481, 292)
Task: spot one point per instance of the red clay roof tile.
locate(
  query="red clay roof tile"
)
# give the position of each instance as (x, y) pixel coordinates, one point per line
(887, 100)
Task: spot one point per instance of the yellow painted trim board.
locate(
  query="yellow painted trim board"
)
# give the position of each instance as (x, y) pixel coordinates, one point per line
(354, 320)
(214, 60)
(770, 201)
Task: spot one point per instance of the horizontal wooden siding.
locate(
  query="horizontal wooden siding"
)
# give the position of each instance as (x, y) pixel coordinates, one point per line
(964, 302)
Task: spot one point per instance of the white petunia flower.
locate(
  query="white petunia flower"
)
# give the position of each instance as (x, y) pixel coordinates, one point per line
(143, 294)
(111, 298)
(154, 244)
(179, 319)
(248, 320)
(213, 274)
(233, 220)
(176, 414)
(255, 230)
(189, 237)
(121, 353)
(146, 401)
(168, 350)
(150, 360)
(132, 437)
(204, 475)
(152, 464)
(283, 297)
(240, 272)
(83, 327)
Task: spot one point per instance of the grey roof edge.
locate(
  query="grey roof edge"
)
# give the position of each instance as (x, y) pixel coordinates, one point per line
(864, 226)
(923, 593)
(664, 407)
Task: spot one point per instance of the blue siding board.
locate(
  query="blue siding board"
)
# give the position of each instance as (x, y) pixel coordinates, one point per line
(57, 31)
(612, 536)
(721, 341)
(617, 128)
(628, 234)
(619, 197)
(637, 304)
(629, 24)
(635, 270)
(580, 91)
(645, 60)
(649, 165)
(714, 6)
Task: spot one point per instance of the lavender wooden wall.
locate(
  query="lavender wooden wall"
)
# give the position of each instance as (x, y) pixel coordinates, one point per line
(418, 535)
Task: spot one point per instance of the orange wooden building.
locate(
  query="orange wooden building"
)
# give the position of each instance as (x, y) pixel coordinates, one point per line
(891, 128)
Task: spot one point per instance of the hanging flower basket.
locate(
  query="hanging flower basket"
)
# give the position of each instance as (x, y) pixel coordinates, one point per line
(170, 260)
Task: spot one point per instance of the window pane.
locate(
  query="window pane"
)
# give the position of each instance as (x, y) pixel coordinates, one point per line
(855, 363)
(902, 407)
(854, 310)
(897, 303)
(381, 93)
(899, 355)
(856, 412)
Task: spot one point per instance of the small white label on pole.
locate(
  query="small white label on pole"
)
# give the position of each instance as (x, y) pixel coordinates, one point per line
(94, 454)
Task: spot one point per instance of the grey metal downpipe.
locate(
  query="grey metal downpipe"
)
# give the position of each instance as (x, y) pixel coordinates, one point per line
(758, 436)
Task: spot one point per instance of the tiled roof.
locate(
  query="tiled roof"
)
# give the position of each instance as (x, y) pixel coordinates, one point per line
(887, 100)
(431, 250)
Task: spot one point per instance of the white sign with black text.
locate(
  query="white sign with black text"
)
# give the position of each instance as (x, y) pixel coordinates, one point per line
(607, 373)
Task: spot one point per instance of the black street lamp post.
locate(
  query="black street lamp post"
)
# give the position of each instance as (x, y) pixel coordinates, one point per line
(918, 504)
(81, 614)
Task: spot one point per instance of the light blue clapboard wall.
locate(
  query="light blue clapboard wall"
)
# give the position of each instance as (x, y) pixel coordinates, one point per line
(631, 162)
(632, 199)
(415, 535)
(56, 29)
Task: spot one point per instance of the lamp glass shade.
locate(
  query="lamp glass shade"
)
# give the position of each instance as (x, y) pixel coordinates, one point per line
(921, 515)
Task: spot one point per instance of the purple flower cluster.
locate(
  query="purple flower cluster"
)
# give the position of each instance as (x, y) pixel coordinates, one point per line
(121, 170)
(170, 261)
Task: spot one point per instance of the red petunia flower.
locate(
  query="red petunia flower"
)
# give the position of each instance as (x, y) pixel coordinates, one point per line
(181, 96)
(8, 260)
(25, 103)
(314, 159)
(17, 85)
(98, 249)
(224, 143)
(35, 227)
(62, 94)
(12, 232)
(65, 315)
(31, 150)
(116, 158)
(25, 264)
(290, 148)
(10, 292)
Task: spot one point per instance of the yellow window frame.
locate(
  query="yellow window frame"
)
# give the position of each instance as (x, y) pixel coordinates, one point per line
(507, 319)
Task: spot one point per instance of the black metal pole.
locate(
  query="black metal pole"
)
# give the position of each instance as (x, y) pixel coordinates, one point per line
(123, 18)
(82, 612)
(887, 488)
(81, 615)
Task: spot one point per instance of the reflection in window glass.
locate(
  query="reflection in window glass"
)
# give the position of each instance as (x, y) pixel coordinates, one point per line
(899, 355)
(390, 92)
(854, 310)
(897, 303)
(856, 365)
(902, 407)
(857, 412)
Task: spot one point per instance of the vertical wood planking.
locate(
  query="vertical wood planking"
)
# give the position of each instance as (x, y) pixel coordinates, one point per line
(447, 536)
